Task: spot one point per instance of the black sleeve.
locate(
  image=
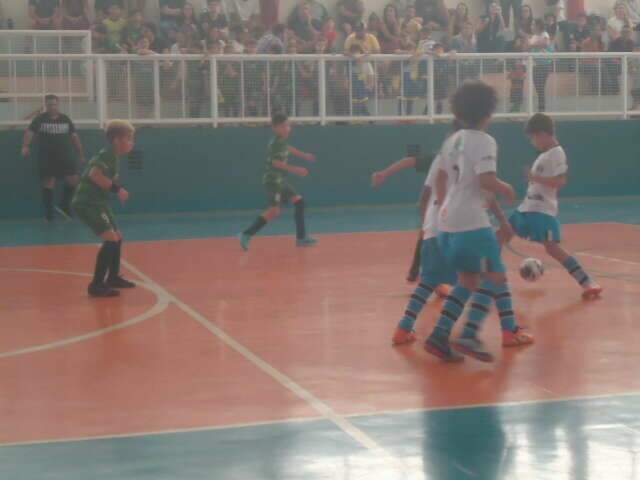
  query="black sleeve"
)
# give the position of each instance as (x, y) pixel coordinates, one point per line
(35, 124)
(423, 162)
(72, 126)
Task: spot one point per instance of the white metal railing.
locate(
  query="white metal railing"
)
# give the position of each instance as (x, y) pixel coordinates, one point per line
(45, 41)
(242, 89)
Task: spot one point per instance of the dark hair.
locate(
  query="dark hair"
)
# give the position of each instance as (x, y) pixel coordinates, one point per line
(51, 96)
(473, 102)
(100, 28)
(539, 24)
(539, 123)
(278, 29)
(356, 48)
(278, 119)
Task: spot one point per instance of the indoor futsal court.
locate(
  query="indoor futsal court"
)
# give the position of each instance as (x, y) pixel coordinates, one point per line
(277, 363)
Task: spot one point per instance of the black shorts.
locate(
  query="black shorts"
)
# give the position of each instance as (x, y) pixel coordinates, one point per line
(56, 166)
(280, 193)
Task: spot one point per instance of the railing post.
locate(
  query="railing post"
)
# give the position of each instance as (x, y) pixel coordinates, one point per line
(322, 91)
(156, 89)
(101, 97)
(431, 98)
(213, 73)
(530, 85)
(625, 87)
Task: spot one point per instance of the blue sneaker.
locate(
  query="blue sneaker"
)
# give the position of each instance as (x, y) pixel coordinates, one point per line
(244, 241)
(474, 348)
(306, 242)
(439, 346)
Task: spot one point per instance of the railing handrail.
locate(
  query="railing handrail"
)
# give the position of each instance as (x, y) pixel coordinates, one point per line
(45, 33)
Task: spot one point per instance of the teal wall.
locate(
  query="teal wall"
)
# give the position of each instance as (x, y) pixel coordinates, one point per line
(203, 169)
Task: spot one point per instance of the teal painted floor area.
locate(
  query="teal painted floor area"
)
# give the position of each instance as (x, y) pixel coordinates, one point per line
(562, 440)
(337, 220)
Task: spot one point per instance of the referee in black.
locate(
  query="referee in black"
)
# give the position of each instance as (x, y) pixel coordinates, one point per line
(55, 133)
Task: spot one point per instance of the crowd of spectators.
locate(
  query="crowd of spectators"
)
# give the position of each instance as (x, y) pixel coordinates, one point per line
(403, 26)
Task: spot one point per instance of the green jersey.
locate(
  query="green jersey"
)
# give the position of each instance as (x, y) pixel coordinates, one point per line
(90, 193)
(278, 151)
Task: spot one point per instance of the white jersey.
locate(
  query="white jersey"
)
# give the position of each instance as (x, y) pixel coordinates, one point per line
(430, 225)
(541, 198)
(466, 155)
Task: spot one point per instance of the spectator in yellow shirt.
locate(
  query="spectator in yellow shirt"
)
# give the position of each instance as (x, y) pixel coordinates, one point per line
(367, 41)
(115, 24)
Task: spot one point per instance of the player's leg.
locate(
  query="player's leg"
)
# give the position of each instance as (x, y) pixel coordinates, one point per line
(274, 197)
(302, 240)
(71, 181)
(434, 270)
(414, 270)
(48, 185)
(590, 288)
(114, 279)
(100, 222)
(459, 257)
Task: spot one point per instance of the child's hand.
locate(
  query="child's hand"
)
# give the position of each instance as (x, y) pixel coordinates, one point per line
(310, 157)
(301, 172)
(377, 179)
(123, 195)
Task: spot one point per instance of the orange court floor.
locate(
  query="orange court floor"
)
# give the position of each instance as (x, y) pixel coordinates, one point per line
(277, 364)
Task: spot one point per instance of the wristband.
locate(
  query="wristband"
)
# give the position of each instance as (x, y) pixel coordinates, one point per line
(115, 188)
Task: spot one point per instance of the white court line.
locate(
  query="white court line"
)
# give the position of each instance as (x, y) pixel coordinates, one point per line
(321, 407)
(610, 259)
(162, 303)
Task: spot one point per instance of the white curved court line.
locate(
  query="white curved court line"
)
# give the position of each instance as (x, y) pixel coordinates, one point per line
(162, 303)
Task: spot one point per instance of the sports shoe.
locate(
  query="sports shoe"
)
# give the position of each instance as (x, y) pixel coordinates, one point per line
(472, 347)
(244, 241)
(403, 337)
(516, 338)
(119, 283)
(101, 290)
(592, 291)
(441, 348)
(306, 242)
(443, 291)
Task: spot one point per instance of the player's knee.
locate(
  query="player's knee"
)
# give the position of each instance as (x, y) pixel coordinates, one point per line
(110, 236)
(551, 248)
(272, 213)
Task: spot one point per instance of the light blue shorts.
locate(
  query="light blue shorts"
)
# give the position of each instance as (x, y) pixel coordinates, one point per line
(434, 268)
(475, 251)
(536, 227)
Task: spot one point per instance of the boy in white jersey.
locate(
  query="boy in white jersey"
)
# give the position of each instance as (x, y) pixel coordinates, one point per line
(466, 238)
(535, 219)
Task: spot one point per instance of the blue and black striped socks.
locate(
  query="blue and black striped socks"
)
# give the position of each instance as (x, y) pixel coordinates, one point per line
(480, 307)
(452, 310)
(502, 295)
(575, 270)
(418, 299)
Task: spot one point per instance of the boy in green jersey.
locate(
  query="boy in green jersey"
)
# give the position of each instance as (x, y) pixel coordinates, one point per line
(275, 182)
(91, 204)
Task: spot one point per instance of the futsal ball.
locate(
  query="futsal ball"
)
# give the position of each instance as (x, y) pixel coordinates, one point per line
(531, 269)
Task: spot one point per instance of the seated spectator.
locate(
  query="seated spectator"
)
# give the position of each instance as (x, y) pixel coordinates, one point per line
(143, 47)
(170, 15)
(182, 45)
(491, 31)
(581, 30)
(100, 42)
(241, 37)
(275, 37)
(374, 24)
(458, 19)
(350, 11)
(133, 32)
(390, 33)
(411, 26)
(525, 22)
(329, 34)
(466, 42)
(341, 38)
(433, 14)
(318, 11)
(75, 14)
(619, 20)
(426, 41)
(45, 14)
(115, 24)
(367, 42)
(188, 22)
(304, 26)
(213, 17)
(624, 43)
(217, 36)
(551, 25)
(101, 8)
(157, 44)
